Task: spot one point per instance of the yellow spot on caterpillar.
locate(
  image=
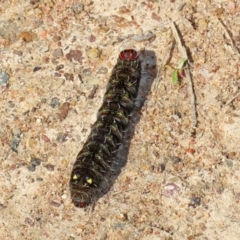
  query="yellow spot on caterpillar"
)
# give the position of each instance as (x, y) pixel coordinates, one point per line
(75, 177)
(89, 181)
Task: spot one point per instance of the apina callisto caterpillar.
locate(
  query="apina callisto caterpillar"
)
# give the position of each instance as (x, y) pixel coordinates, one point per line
(99, 151)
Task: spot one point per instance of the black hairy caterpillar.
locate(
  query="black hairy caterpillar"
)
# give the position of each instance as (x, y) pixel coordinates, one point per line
(95, 159)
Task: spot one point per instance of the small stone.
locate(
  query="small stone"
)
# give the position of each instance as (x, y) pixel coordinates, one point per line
(63, 111)
(38, 22)
(64, 196)
(27, 36)
(175, 159)
(93, 53)
(33, 164)
(195, 201)
(4, 77)
(45, 138)
(29, 221)
(204, 72)
(171, 188)
(15, 142)
(54, 61)
(218, 12)
(74, 55)
(123, 217)
(38, 120)
(32, 142)
(57, 75)
(56, 38)
(36, 69)
(55, 202)
(39, 179)
(175, 117)
(61, 137)
(71, 238)
(103, 70)
(93, 81)
(43, 100)
(33, 2)
(123, 9)
(77, 8)
(229, 163)
(91, 38)
(87, 71)
(103, 29)
(50, 167)
(19, 53)
(232, 6)
(11, 104)
(16, 131)
(55, 102)
(203, 24)
(69, 76)
(44, 48)
(58, 67)
(57, 53)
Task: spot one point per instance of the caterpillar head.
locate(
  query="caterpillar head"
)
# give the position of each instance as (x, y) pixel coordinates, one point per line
(128, 55)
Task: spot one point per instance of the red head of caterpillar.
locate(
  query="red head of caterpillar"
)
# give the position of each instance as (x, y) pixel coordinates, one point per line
(128, 55)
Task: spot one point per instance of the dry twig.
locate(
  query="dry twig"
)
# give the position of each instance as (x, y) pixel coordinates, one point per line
(227, 34)
(233, 98)
(183, 52)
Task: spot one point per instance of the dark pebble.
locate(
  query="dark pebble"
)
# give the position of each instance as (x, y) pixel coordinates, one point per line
(39, 179)
(33, 2)
(195, 202)
(175, 159)
(29, 221)
(61, 137)
(36, 69)
(58, 67)
(80, 78)
(55, 203)
(50, 167)
(74, 55)
(11, 104)
(33, 164)
(35, 161)
(69, 76)
(4, 77)
(55, 102)
(87, 71)
(15, 143)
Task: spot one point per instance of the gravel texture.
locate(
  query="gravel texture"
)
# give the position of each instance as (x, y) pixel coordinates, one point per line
(56, 58)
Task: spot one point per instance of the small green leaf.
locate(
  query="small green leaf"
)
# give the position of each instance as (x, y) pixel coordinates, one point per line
(181, 63)
(175, 76)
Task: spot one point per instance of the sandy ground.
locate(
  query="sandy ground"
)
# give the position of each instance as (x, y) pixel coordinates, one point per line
(56, 58)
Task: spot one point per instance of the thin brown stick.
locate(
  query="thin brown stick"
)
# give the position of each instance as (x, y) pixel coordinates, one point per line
(183, 52)
(233, 98)
(227, 34)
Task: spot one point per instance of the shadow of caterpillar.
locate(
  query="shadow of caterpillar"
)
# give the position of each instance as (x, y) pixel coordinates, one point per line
(97, 156)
